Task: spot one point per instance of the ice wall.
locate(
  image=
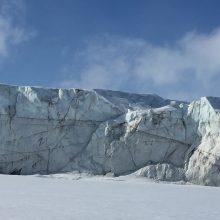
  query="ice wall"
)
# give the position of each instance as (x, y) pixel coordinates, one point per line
(99, 131)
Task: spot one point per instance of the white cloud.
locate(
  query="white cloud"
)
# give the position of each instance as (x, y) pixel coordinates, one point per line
(12, 25)
(187, 69)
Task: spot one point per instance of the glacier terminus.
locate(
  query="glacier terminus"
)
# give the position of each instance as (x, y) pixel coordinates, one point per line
(50, 131)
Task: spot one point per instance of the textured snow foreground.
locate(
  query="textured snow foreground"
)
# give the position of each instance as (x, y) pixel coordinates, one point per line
(65, 197)
(58, 130)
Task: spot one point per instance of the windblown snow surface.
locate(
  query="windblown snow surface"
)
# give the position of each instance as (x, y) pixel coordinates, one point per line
(68, 196)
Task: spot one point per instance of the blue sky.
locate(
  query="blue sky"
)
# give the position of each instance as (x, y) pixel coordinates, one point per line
(171, 47)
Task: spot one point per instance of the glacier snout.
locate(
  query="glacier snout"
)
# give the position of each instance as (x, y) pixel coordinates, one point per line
(59, 130)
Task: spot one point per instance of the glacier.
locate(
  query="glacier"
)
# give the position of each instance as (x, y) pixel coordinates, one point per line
(103, 132)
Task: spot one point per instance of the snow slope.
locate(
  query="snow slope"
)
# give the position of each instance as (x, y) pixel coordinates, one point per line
(72, 198)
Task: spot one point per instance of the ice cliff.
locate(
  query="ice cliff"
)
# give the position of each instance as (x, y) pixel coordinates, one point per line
(58, 130)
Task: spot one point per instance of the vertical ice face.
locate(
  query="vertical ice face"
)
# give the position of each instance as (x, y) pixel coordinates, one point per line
(204, 164)
(99, 131)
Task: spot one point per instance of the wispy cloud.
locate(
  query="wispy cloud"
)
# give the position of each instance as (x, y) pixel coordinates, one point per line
(187, 69)
(13, 29)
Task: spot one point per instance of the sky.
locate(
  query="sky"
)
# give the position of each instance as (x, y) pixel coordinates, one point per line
(170, 48)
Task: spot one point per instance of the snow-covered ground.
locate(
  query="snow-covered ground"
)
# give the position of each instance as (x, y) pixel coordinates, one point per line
(71, 197)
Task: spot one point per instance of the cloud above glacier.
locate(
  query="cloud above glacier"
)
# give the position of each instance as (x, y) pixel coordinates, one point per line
(13, 30)
(186, 69)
